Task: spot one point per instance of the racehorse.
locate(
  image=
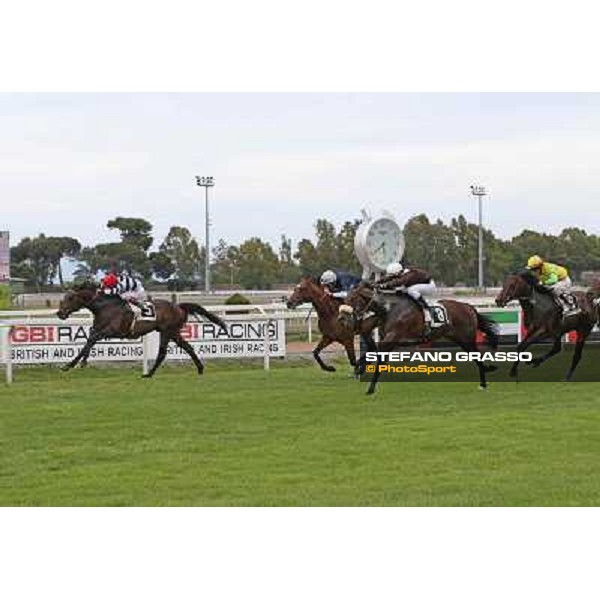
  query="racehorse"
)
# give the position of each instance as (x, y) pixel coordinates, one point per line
(327, 307)
(114, 319)
(543, 317)
(404, 324)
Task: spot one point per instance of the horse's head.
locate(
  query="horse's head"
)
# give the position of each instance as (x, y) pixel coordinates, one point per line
(303, 292)
(75, 299)
(518, 285)
(357, 303)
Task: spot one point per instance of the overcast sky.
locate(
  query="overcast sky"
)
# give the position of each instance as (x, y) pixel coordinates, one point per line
(70, 162)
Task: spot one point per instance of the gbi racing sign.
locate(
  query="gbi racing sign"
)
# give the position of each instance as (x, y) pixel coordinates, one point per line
(59, 343)
(244, 339)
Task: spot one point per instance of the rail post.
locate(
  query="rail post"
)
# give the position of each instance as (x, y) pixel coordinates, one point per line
(267, 355)
(145, 358)
(6, 352)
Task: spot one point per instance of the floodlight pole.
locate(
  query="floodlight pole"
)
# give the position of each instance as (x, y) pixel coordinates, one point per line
(479, 191)
(206, 182)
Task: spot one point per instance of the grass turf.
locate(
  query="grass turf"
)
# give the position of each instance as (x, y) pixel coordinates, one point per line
(294, 436)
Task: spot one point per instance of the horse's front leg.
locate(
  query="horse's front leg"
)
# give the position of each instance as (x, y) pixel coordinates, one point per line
(576, 355)
(529, 339)
(84, 353)
(556, 348)
(371, 346)
(325, 341)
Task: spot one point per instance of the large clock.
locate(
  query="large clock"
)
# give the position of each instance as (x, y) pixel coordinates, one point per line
(378, 242)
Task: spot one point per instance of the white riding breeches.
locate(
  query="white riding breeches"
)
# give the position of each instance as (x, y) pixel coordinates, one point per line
(421, 289)
(561, 287)
(138, 296)
(342, 295)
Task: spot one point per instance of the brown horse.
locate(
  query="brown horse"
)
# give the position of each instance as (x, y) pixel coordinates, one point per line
(404, 325)
(332, 330)
(543, 318)
(114, 319)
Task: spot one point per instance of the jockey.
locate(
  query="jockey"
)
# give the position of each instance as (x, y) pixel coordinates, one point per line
(412, 281)
(554, 278)
(338, 283)
(127, 287)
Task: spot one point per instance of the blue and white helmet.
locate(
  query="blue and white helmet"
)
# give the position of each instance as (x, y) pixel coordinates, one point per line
(328, 278)
(394, 268)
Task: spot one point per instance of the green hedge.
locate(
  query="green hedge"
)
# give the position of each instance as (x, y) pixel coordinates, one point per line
(4, 296)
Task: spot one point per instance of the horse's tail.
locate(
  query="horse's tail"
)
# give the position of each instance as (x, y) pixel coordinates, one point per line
(195, 309)
(489, 328)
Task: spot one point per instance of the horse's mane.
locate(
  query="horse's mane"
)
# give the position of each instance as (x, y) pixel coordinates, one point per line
(530, 279)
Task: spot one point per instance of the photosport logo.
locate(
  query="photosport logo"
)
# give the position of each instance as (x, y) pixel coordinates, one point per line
(503, 364)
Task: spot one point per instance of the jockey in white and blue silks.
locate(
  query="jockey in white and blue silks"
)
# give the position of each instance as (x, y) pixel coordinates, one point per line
(338, 283)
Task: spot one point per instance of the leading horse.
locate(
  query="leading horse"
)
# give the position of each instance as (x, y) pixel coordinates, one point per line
(114, 319)
(543, 318)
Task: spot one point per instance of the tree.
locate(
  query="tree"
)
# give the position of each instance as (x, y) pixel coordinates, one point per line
(162, 266)
(332, 250)
(38, 259)
(306, 254)
(258, 264)
(346, 257)
(288, 269)
(59, 248)
(134, 232)
(224, 267)
(183, 251)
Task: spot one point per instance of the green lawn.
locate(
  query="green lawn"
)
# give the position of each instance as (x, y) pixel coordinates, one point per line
(295, 436)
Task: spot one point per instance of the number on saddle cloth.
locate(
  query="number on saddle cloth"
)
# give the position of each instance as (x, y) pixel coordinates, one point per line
(439, 315)
(148, 311)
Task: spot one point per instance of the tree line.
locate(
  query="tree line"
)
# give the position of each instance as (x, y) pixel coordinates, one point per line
(448, 250)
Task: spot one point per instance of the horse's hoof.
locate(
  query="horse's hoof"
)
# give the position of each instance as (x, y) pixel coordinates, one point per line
(329, 369)
(536, 363)
(512, 374)
(200, 373)
(146, 376)
(65, 368)
(483, 388)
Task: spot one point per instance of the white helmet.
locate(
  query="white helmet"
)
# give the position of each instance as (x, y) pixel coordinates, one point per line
(328, 278)
(394, 268)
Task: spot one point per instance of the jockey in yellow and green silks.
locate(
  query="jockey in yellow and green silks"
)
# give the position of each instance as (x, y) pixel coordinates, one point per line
(553, 277)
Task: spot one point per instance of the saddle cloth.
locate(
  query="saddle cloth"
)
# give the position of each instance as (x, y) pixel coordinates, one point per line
(569, 304)
(145, 312)
(439, 314)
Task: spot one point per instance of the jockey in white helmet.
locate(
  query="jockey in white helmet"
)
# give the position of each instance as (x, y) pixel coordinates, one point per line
(338, 284)
(412, 281)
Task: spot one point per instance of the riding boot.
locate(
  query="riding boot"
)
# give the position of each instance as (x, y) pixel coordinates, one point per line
(426, 317)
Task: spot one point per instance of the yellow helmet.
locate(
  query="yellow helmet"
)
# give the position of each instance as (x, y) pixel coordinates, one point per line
(534, 262)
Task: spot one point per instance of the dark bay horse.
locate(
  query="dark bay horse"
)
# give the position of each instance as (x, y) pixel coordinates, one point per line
(332, 330)
(404, 325)
(543, 318)
(113, 319)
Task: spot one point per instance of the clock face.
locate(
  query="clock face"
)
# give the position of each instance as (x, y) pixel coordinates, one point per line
(384, 242)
